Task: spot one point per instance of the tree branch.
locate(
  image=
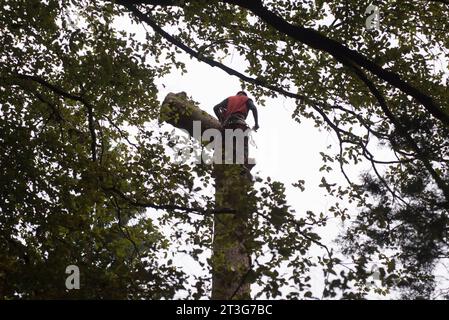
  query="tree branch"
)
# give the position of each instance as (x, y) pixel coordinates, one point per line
(318, 41)
(199, 211)
(342, 53)
(173, 40)
(65, 94)
(403, 131)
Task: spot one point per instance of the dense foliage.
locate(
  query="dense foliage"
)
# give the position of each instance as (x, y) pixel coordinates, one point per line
(78, 188)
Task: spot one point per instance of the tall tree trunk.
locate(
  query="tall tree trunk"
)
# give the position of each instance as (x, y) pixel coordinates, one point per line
(231, 257)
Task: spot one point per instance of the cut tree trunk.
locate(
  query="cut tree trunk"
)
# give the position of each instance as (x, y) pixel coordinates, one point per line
(231, 259)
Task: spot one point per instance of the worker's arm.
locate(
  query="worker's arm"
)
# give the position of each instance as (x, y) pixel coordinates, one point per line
(220, 108)
(253, 109)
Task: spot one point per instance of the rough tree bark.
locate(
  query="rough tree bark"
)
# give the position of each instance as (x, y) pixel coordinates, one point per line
(231, 257)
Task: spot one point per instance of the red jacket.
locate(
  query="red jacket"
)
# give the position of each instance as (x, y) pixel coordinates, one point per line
(236, 104)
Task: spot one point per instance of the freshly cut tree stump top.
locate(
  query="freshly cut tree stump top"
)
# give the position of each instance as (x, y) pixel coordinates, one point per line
(178, 110)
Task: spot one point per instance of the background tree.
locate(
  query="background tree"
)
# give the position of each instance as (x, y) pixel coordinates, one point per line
(76, 184)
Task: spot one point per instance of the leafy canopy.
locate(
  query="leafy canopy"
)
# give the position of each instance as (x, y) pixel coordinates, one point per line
(78, 188)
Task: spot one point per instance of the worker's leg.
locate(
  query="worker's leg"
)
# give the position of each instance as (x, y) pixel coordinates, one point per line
(224, 153)
(239, 144)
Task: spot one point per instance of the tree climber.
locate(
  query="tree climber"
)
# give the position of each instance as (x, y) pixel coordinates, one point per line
(232, 113)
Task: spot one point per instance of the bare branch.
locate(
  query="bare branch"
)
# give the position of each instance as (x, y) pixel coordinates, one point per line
(199, 211)
(65, 94)
(318, 41)
(403, 131)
